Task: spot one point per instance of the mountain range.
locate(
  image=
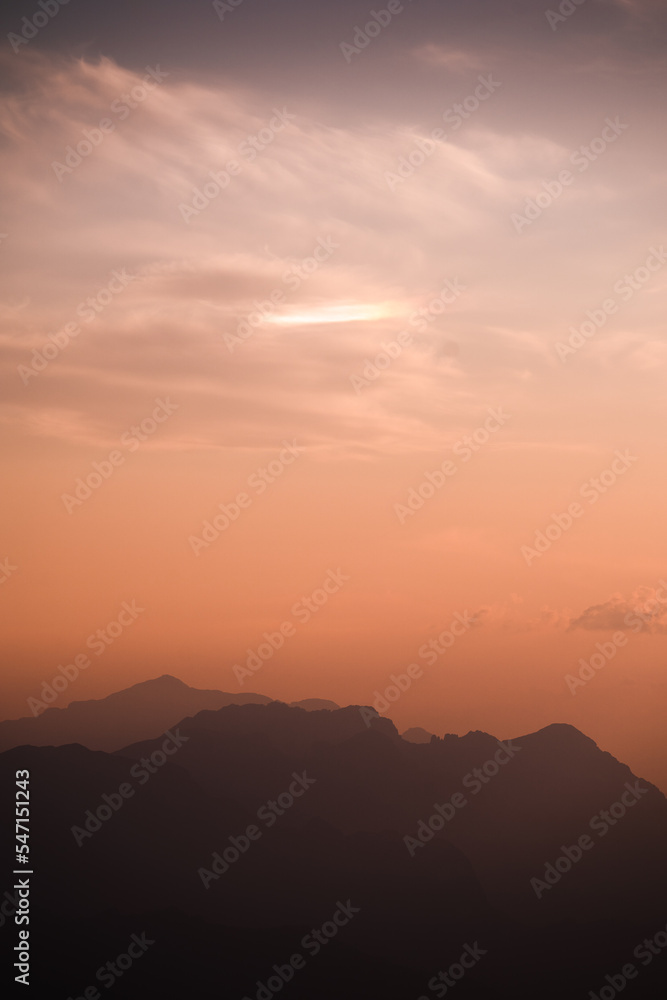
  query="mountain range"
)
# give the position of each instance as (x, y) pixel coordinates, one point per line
(264, 848)
(126, 716)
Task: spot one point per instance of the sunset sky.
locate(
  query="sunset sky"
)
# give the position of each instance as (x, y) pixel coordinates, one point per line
(453, 195)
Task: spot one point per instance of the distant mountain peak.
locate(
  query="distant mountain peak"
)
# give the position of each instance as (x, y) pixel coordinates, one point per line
(563, 733)
(167, 679)
(417, 735)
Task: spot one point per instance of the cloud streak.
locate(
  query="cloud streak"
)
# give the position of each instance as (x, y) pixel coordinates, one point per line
(644, 611)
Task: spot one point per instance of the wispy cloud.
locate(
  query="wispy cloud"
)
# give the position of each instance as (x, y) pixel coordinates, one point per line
(644, 611)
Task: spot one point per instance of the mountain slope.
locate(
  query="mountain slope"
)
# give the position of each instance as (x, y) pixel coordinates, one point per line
(229, 840)
(142, 710)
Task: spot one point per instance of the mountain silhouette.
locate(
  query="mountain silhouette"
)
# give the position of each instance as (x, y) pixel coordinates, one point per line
(108, 723)
(417, 735)
(315, 704)
(232, 836)
(133, 714)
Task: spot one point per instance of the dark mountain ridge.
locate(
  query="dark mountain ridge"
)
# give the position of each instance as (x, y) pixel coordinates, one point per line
(230, 835)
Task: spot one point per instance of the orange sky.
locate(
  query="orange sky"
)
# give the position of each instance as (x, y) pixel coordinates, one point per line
(226, 337)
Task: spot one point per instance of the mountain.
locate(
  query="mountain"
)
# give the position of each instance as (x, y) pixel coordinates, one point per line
(142, 710)
(127, 716)
(417, 735)
(315, 704)
(252, 834)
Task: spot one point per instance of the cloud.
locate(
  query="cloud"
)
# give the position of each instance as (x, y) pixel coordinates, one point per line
(512, 615)
(455, 60)
(196, 281)
(644, 611)
(115, 203)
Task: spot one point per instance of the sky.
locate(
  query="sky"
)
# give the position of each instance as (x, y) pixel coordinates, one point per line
(333, 332)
